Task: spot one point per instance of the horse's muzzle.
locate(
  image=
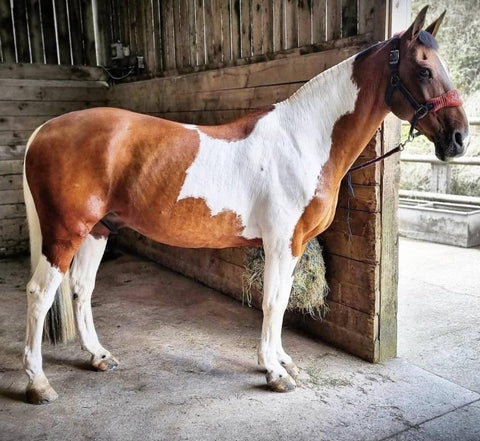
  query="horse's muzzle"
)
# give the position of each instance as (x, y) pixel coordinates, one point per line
(452, 144)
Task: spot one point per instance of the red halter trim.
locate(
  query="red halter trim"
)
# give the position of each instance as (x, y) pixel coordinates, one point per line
(448, 99)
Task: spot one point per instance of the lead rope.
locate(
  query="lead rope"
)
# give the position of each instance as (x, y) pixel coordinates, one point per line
(412, 134)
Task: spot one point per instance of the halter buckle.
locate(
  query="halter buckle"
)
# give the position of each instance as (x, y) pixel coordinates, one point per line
(421, 111)
(394, 56)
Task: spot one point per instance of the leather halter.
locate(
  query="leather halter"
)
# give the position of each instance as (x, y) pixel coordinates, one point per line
(448, 99)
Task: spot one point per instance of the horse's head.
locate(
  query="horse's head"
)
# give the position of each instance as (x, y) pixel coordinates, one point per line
(422, 92)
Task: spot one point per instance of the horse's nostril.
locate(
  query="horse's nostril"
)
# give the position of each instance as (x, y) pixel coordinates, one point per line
(458, 137)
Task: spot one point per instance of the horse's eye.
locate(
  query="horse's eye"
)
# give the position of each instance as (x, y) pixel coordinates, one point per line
(425, 73)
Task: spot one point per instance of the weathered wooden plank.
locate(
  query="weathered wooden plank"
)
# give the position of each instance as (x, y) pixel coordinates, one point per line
(48, 30)
(235, 29)
(273, 72)
(11, 196)
(35, 30)
(352, 247)
(150, 50)
(14, 137)
(11, 167)
(200, 43)
(246, 29)
(75, 23)
(182, 33)
(14, 82)
(10, 182)
(353, 342)
(47, 108)
(46, 93)
(367, 176)
(304, 13)
(12, 211)
(277, 25)
(365, 198)
(387, 235)
(221, 100)
(63, 35)
(349, 18)
(11, 152)
(366, 16)
(334, 20)
(168, 35)
(354, 272)
(290, 21)
(8, 54)
(157, 31)
(88, 34)
(213, 27)
(21, 32)
(51, 72)
(21, 123)
(13, 230)
(256, 14)
(191, 36)
(142, 40)
(225, 26)
(319, 22)
(267, 26)
(351, 295)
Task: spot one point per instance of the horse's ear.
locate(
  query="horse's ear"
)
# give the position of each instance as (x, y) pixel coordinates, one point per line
(412, 32)
(433, 28)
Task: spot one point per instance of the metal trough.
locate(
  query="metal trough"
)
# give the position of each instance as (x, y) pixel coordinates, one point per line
(440, 222)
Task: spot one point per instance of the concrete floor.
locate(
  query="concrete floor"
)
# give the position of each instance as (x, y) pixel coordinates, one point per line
(188, 364)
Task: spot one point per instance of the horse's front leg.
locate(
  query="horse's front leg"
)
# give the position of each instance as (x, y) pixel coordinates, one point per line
(278, 278)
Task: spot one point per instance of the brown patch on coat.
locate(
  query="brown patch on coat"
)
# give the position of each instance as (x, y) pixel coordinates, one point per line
(87, 164)
(346, 146)
(239, 128)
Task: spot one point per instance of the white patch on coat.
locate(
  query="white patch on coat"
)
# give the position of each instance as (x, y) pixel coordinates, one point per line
(269, 177)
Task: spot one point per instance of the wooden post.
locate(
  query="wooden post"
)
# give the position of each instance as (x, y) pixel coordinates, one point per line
(441, 178)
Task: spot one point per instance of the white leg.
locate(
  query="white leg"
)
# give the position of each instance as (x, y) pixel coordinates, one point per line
(40, 295)
(278, 278)
(82, 280)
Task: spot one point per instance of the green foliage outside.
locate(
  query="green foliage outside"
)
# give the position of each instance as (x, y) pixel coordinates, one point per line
(459, 40)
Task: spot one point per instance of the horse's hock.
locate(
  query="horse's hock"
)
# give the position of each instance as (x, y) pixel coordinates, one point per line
(211, 84)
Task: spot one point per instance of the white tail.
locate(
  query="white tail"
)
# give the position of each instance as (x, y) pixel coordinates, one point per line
(59, 323)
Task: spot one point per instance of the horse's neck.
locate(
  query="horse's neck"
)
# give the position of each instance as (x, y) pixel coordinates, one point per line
(334, 99)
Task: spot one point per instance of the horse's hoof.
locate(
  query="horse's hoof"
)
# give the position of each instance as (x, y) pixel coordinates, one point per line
(42, 395)
(292, 369)
(105, 363)
(282, 384)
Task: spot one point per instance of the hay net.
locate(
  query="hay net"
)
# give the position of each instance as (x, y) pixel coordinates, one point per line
(309, 282)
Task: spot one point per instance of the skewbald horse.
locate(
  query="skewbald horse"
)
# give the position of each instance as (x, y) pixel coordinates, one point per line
(270, 178)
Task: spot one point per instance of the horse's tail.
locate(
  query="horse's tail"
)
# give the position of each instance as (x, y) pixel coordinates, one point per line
(59, 322)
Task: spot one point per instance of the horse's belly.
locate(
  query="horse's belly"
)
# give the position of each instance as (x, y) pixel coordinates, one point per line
(190, 224)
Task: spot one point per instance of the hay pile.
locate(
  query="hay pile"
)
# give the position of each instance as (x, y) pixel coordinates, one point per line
(309, 284)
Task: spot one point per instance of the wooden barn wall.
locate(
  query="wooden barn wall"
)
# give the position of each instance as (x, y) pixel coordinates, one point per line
(48, 32)
(189, 35)
(355, 271)
(30, 95)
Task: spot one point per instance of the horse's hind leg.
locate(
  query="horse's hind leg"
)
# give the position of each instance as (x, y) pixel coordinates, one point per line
(82, 280)
(40, 295)
(278, 278)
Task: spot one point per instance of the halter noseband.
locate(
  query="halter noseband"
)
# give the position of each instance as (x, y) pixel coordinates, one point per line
(448, 99)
